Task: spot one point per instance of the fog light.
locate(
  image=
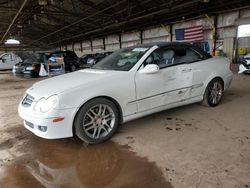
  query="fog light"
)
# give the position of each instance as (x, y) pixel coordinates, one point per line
(42, 128)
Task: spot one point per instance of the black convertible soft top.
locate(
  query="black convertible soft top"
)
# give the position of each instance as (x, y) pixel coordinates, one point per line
(174, 44)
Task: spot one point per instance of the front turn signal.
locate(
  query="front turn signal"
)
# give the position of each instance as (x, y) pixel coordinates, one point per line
(58, 119)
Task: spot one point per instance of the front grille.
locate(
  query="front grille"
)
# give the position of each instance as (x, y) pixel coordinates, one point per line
(28, 100)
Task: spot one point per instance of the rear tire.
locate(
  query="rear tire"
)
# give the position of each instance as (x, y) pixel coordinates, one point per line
(96, 121)
(72, 68)
(214, 93)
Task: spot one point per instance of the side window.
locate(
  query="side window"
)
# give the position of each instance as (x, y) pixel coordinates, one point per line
(6, 58)
(168, 56)
(188, 57)
(57, 55)
(153, 58)
(70, 55)
(163, 57)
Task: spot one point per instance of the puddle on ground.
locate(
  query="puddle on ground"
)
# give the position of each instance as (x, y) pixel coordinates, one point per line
(69, 163)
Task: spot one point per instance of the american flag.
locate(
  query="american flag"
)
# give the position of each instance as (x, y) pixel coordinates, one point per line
(190, 34)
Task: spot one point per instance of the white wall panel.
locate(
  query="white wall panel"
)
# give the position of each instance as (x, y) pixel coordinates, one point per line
(203, 21)
(228, 46)
(131, 43)
(156, 39)
(112, 39)
(69, 47)
(86, 48)
(208, 34)
(227, 19)
(130, 39)
(77, 47)
(97, 45)
(112, 42)
(155, 32)
(97, 42)
(226, 32)
(131, 36)
(112, 47)
(245, 13)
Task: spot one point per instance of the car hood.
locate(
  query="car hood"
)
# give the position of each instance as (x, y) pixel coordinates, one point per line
(59, 84)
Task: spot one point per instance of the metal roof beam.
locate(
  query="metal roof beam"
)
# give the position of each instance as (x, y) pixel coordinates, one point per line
(78, 21)
(14, 19)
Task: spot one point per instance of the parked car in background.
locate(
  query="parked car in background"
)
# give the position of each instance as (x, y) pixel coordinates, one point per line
(8, 60)
(89, 60)
(83, 59)
(245, 65)
(30, 66)
(130, 83)
(70, 59)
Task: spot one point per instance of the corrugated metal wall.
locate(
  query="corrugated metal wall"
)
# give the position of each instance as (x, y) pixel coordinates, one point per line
(156, 34)
(225, 28)
(112, 42)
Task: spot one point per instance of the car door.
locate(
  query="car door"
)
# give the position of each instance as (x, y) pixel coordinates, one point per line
(7, 61)
(171, 84)
(197, 61)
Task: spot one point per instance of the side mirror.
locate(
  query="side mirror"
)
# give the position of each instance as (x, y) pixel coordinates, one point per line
(150, 69)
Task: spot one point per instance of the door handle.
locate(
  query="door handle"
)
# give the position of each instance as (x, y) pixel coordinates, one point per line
(186, 70)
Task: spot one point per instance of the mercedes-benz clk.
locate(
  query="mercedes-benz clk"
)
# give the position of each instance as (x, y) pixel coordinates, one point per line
(128, 84)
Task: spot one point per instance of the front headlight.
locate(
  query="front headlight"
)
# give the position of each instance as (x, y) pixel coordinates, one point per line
(44, 105)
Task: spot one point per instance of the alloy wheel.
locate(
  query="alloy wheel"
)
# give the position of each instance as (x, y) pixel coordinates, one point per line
(99, 121)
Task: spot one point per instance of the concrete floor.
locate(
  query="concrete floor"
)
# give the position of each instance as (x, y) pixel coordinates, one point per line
(187, 147)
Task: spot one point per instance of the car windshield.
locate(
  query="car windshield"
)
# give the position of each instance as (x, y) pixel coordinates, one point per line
(121, 60)
(31, 59)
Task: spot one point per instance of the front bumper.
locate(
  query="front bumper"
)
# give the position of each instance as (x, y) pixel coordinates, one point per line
(31, 73)
(244, 68)
(43, 126)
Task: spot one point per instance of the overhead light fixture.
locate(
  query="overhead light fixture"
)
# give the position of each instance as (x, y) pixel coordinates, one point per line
(12, 41)
(42, 2)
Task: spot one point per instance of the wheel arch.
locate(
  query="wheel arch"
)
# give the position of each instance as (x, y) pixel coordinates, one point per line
(221, 79)
(106, 97)
(214, 77)
(205, 101)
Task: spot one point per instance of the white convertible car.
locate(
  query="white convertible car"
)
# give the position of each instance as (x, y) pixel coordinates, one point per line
(130, 83)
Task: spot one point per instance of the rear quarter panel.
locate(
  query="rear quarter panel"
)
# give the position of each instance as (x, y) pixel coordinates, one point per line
(205, 71)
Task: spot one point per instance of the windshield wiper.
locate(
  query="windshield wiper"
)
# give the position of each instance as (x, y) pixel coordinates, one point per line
(102, 68)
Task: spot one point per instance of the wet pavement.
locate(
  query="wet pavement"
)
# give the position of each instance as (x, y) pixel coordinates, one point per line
(70, 163)
(29, 161)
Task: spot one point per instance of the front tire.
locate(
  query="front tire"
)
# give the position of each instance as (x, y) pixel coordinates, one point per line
(214, 93)
(96, 121)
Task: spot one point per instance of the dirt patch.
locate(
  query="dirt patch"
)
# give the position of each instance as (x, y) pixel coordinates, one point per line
(6, 144)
